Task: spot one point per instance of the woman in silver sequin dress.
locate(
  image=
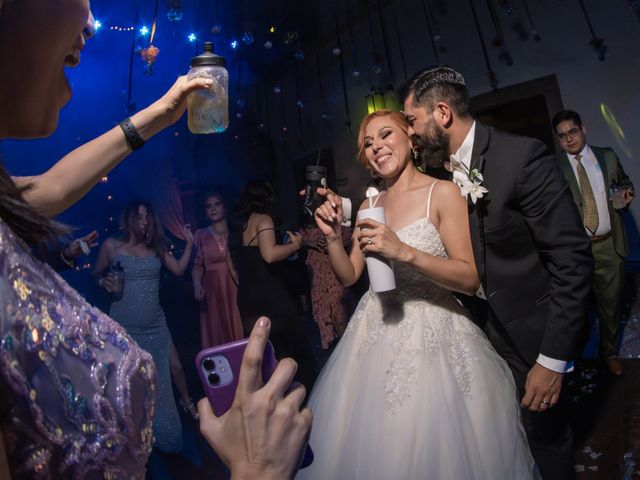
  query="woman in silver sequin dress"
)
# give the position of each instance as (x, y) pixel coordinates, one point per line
(414, 389)
(77, 394)
(142, 251)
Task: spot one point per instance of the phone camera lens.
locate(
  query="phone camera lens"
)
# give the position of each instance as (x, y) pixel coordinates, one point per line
(208, 364)
(214, 378)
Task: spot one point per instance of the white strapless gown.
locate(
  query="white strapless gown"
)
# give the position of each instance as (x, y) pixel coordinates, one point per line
(414, 390)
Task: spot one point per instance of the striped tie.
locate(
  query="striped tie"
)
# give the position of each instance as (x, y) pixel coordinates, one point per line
(589, 207)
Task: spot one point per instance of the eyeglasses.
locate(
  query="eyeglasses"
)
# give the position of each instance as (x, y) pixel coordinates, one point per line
(569, 134)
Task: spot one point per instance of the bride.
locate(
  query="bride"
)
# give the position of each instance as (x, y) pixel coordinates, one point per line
(414, 389)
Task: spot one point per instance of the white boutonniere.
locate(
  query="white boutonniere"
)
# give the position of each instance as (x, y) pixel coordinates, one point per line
(469, 181)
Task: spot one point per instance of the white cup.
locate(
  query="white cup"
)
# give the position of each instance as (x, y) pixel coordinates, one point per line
(380, 269)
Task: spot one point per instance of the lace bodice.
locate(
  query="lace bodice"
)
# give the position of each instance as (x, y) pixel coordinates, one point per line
(418, 316)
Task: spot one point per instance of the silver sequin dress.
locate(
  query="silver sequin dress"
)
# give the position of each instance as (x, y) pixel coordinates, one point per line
(140, 313)
(414, 390)
(77, 394)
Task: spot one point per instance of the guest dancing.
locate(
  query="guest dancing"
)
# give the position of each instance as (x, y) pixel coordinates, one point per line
(261, 291)
(214, 278)
(414, 388)
(141, 251)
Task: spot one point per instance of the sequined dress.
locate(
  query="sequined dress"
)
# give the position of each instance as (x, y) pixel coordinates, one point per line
(140, 313)
(76, 392)
(415, 390)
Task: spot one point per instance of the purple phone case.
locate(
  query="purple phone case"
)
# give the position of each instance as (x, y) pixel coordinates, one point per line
(221, 397)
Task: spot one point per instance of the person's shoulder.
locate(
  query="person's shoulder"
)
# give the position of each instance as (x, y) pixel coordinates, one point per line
(445, 191)
(261, 219)
(512, 139)
(112, 244)
(604, 150)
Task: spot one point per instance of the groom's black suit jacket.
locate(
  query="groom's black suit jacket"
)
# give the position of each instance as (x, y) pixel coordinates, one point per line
(532, 254)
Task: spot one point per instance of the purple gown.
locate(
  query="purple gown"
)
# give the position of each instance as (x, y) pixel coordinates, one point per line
(77, 394)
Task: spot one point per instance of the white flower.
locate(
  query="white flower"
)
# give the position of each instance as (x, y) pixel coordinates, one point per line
(469, 181)
(474, 189)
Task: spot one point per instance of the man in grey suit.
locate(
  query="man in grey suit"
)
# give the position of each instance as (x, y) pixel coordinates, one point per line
(601, 190)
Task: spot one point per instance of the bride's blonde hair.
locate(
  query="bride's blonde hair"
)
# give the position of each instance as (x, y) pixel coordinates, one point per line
(397, 117)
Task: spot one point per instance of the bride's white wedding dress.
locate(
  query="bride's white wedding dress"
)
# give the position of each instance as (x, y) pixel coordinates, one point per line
(414, 390)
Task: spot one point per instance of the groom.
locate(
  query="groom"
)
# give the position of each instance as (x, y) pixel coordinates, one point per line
(531, 252)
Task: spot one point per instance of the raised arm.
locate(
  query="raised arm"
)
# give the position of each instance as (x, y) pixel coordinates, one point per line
(329, 216)
(178, 267)
(75, 174)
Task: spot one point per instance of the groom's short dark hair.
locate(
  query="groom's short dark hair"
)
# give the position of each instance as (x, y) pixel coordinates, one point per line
(437, 83)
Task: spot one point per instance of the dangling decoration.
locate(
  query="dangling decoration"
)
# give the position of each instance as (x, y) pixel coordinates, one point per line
(299, 103)
(507, 8)
(323, 100)
(498, 40)
(534, 31)
(493, 78)
(377, 67)
(596, 42)
(175, 13)
(635, 6)
(347, 122)
(436, 35)
(298, 54)
(354, 54)
(399, 39)
(432, 35)
(150, 54)
(385, 42)
(247, 36)
(284, 118)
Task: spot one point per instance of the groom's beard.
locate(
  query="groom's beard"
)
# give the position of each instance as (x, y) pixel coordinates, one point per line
(432, 147)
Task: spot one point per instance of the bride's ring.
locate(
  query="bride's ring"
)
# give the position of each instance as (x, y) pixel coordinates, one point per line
(545, 402)
(370, 241)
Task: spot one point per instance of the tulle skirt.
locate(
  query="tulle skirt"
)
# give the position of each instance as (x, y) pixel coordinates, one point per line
(416, 395)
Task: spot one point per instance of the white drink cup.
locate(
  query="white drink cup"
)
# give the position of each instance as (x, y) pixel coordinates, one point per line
(380, 269)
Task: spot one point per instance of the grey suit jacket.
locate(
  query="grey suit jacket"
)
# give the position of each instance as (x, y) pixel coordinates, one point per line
(613, 173)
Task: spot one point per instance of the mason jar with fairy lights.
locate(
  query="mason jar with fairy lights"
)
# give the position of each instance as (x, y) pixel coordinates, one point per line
(209, 108)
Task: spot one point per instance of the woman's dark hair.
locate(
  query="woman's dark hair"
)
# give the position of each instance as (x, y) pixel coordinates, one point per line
(257, 196)
(212, 194)
(28, 223)
(154, 237)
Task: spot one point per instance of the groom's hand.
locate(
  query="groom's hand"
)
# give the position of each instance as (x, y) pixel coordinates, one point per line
(542, 389)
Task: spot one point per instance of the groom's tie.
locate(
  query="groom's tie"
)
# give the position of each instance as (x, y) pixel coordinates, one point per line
(589, 207)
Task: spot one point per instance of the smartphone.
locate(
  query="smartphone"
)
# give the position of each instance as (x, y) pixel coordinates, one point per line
(219, 371)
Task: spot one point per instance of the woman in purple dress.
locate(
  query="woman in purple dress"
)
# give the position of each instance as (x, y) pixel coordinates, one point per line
(77, 394)
(214, 278)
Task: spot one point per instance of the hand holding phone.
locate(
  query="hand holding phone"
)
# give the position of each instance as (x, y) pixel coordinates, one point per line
(264, 431)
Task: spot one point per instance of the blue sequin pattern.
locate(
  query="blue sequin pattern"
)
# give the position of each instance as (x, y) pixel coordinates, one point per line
(79, 392)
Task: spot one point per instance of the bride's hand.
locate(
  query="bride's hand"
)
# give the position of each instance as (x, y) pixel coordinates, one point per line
(376, 237)
(330, 215)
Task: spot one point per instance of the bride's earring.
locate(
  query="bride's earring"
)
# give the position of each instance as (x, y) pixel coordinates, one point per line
(414, 153)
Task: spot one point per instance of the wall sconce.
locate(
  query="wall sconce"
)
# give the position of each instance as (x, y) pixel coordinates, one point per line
(375, 101)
